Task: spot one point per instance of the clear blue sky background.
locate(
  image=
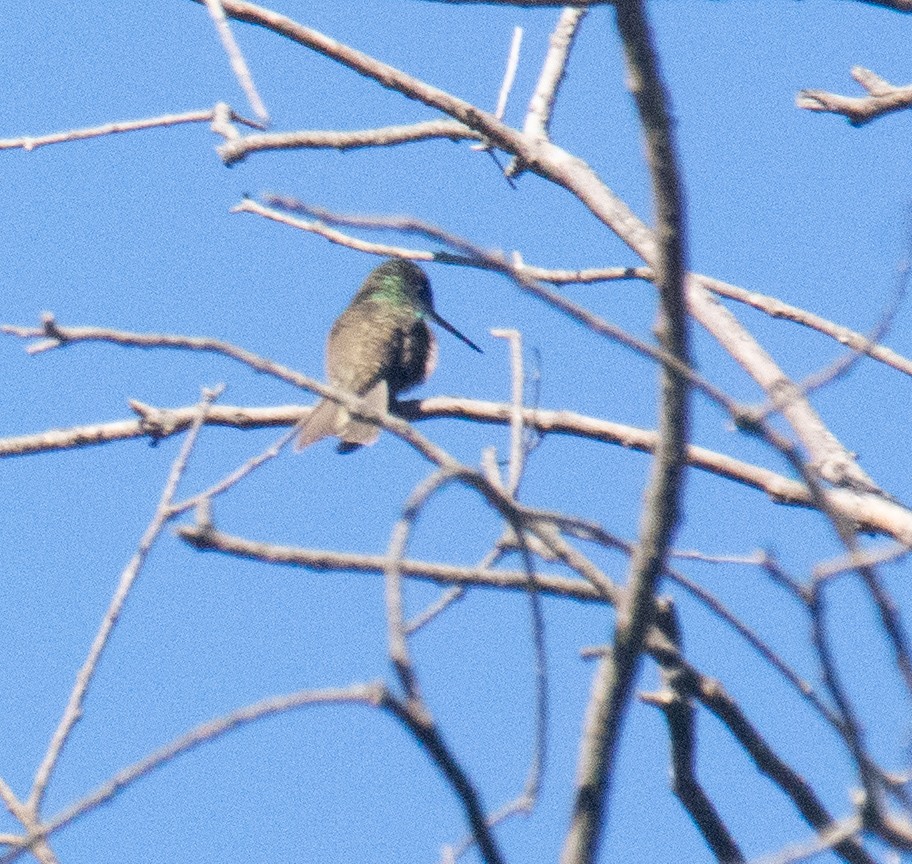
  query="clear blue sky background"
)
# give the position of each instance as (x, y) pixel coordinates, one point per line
(134, 232)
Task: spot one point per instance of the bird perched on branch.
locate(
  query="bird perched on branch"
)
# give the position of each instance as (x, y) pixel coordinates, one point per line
(378, 347)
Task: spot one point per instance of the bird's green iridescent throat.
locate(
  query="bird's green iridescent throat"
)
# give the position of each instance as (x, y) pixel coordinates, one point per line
(391, 289)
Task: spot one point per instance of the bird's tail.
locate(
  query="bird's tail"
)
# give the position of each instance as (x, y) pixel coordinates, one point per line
(357, 433)
(323, 421)
(330, 418)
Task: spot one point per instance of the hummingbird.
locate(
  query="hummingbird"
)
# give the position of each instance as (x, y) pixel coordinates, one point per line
(377, 348)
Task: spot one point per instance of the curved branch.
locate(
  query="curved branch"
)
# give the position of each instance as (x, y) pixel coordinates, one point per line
(872, 514)
(884, 98)
(616, 673)
(237, 149)
(220, 116)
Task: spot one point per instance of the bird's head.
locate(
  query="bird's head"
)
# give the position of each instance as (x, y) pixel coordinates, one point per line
(401, 282)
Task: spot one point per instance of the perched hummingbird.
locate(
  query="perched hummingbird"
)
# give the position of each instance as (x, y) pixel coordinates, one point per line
(378, 347)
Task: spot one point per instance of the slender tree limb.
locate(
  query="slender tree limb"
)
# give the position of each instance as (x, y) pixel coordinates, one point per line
(678, 709)
(765, 303)
(824, 570)
(392, 576)
(712, 695)
(221, 112)
(205, 537)
(238, 149)
(497, 262)
(541, 105)
(370, 694)
(236, 59)
(883, 98)
(832, 681)
(709, 692)
(416, 721)
(871, 512)
(617, 671)
(204, 498)
(208, 538)
(517, 453)
(509, 76)
(802, 686)
(775, 308)
(831, 459)
(73, 711)
(160, 423)
(844, 829)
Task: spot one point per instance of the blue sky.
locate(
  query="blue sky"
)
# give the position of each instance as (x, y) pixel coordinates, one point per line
(134, 232)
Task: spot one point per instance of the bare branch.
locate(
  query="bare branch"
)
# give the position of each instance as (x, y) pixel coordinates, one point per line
(771, 306)
(617, 671)
(538, 118)
(237, 149)
(234, 477)
(871, 512)
(370, 694)
(775, 308)
(324, 560)
(677, 706)
(496, 261)
(834, 462)
(207, 116)
(844, 829)
(861, 558)
(416, 721)
(392, 573)
(712, 695)
(73, 710)
(883, 98)
(509, 73)
(236, 58)
(516, 414)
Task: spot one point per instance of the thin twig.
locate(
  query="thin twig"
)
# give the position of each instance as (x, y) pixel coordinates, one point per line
(883, 98)
(525, 801)
(205, 116)
(802, 687)
(370, 694)
(392, 573)
(616, 673)
(416, 721)
(712, 695)
(826, 840)
(234, 477)
(677, 706)
(875, 514)
(497, 262)
(236, 149)
(73, 711)
(236, 58)
(509, 73)
(888, 554)
(440, 605)
(776, 308)
(538, 116)
(772, 306)
(324, 560)
(516, 415)
(449, 597)
(843, 365)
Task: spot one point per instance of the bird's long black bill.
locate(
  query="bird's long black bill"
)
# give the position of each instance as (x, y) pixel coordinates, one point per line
(450, 328)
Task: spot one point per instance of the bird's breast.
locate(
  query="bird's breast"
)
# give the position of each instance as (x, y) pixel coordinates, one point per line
(370, 342)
